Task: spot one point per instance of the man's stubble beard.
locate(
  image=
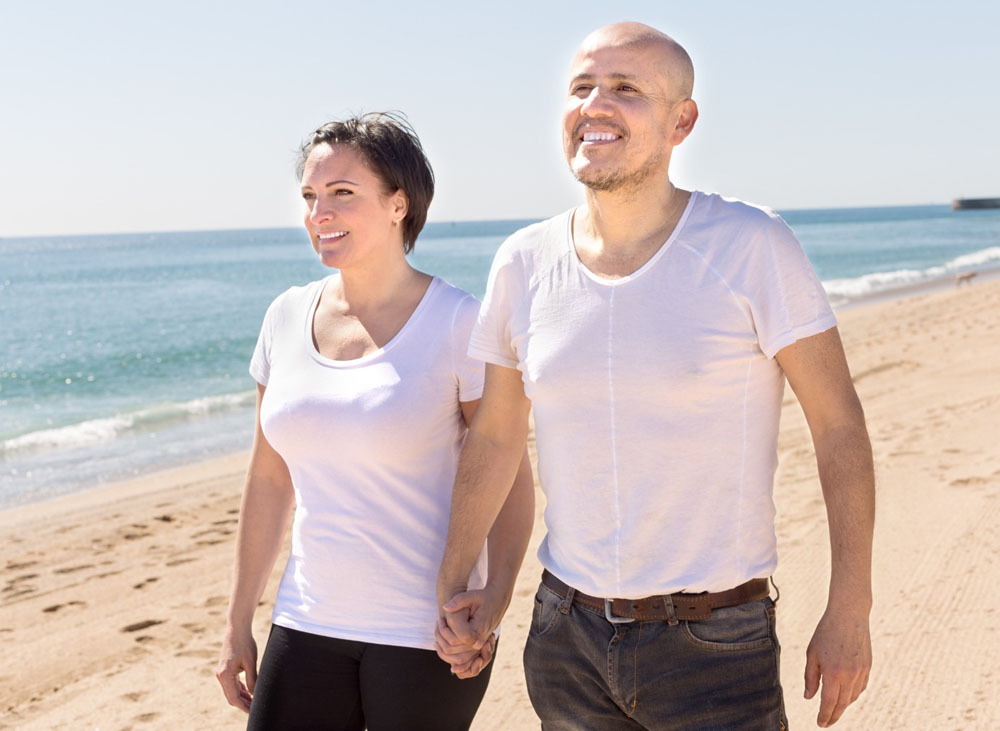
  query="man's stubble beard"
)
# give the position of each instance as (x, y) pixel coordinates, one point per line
(621, 181)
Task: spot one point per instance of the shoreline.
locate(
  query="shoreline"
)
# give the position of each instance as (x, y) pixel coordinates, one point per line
(182, 463)
(114, 598)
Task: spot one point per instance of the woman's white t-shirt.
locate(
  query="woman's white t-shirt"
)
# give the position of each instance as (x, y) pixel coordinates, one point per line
(372, 447)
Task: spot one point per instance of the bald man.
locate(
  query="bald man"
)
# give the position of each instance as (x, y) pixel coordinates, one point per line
(651, 330)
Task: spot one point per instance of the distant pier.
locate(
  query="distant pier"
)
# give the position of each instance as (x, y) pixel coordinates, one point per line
(967, 204)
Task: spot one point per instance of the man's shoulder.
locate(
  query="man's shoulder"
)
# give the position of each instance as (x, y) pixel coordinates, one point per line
(720, 210)
(536, 239)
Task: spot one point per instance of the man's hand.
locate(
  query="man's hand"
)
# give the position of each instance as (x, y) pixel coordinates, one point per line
(473, 615)
(841, 653)
(239, 654)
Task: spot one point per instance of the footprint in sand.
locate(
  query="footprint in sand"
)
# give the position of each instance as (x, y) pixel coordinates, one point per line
(142, 625)
(179, 561)
(57, 607)
(164, 518)
(14, 566)
(150, 580)
(73, 569)
(135, 696)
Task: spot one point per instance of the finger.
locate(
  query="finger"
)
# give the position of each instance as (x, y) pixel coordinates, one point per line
(231, 687)
(447, 636)
(250, 670)
(459, 624)
(827, 702)
(245, 699)
(812, 677)
(843, 701)
(465, 600)
(859, 687)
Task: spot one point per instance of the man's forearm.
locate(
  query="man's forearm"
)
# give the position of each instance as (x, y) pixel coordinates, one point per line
(846, 471)
(508, 539)
(486, 472)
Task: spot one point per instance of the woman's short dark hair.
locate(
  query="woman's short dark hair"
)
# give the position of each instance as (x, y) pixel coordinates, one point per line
(393, 151)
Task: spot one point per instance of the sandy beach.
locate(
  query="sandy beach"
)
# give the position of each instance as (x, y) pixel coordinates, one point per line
(113, 601)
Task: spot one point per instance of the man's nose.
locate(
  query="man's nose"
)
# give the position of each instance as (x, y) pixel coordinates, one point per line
(596, 104)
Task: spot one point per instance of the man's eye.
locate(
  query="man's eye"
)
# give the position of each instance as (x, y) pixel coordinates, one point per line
(626, 87)
(581, 90)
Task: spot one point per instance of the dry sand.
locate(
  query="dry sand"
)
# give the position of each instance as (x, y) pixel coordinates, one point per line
(113, 601)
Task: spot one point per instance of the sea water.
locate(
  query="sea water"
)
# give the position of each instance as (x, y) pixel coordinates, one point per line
(123, 354)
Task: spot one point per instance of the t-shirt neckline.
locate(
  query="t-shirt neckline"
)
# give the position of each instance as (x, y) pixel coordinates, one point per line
(688, 207)
(375, 354)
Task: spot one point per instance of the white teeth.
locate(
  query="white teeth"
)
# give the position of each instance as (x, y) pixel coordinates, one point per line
(333, 235)
(598, 136)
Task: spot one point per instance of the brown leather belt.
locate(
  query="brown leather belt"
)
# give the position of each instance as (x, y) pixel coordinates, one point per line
(687, 607)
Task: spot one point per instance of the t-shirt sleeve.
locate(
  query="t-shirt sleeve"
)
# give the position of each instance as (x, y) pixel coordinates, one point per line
(491, 338)
(469, 372)
(260, 362)
(788, 302)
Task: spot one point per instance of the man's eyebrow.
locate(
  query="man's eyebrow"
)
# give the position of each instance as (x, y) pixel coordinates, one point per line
(617, 76)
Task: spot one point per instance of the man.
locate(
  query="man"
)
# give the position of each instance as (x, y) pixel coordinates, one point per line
(651, 330)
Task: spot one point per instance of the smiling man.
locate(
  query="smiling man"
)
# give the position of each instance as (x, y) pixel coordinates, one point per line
(652, 330)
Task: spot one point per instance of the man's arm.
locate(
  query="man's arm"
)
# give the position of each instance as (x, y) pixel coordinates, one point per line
(840, 650)
(493, 455)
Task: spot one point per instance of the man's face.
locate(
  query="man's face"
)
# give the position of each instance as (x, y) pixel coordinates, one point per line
(620, 113)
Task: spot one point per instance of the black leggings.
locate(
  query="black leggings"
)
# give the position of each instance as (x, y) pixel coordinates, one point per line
(308, 681)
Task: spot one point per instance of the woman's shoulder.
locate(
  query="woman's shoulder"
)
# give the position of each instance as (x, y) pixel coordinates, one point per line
(453, 304)
(298, 295)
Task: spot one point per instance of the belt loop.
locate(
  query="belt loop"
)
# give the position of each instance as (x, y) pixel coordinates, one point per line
(668, 606)
(777, 591)
(567, 601)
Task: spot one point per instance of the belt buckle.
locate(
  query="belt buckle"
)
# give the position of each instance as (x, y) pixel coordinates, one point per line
(613, 619)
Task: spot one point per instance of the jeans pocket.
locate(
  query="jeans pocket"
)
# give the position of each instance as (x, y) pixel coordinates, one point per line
(546, 614)
(743, 627)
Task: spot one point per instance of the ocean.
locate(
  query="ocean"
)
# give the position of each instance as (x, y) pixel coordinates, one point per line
(125, 354)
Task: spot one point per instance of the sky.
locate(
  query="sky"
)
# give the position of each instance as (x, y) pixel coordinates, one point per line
(141, 116)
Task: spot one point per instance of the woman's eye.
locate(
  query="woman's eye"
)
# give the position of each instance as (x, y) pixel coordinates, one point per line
(343, 192)
(307, 196)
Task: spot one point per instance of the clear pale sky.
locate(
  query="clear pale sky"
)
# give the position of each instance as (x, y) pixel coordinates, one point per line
(141, 116)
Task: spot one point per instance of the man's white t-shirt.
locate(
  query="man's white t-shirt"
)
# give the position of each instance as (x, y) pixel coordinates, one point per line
(656, 396)
(372, 447)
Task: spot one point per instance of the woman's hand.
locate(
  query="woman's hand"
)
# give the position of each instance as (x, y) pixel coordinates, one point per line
(466, 661)
(239, 655)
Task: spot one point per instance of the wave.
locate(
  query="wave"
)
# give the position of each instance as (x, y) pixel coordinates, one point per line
(100, 430)
(879, 282)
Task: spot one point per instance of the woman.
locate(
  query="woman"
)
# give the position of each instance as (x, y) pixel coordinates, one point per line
(364, 396)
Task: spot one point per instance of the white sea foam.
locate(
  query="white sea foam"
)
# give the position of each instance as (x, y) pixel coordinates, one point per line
(880, 282)
(101, 430)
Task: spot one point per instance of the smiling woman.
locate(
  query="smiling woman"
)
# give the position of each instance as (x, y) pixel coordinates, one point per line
(365, 392)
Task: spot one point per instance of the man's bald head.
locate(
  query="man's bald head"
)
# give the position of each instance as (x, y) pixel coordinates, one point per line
(676, 61)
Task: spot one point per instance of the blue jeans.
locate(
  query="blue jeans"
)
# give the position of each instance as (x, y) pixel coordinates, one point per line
(584, 672)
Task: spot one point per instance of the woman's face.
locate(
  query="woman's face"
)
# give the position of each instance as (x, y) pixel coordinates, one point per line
(349, 217)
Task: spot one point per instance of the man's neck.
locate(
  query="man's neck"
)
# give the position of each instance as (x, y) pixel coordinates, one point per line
(617, 232)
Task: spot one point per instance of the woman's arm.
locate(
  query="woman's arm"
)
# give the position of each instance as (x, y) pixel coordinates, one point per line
(267, 504)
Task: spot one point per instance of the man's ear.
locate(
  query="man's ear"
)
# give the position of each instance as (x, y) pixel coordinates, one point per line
(687, 115)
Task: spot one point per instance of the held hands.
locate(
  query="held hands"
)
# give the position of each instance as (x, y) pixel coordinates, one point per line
(464, 634)
(239, 654)
(841, 652)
